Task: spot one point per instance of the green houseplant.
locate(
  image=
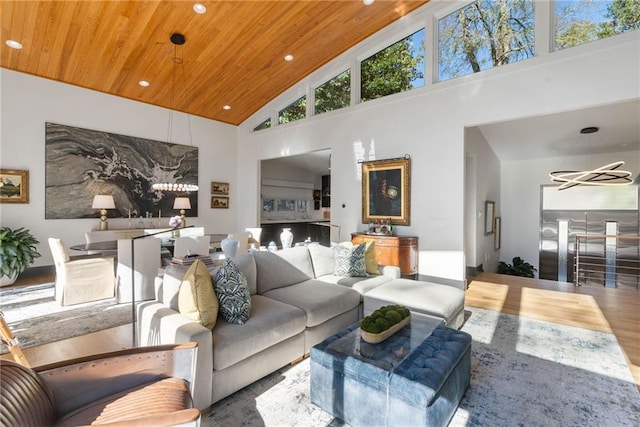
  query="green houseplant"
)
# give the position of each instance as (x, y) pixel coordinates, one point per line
(519, 268)
(17, 252)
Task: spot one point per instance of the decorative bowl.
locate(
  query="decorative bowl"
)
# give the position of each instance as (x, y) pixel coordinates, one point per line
(378, 338)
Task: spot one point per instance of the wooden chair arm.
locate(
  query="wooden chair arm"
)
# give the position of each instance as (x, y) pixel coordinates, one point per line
(8, 339)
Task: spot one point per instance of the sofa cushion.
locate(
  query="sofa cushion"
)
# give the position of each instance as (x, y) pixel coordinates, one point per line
(319, 300)
(271, 322)
(197, 300)
(360, 284)
(171, 281)
(350, 260)
(233, 293)
(322, 260)
(247, 266)
(433, 299)
(300, 258)
(285, 268)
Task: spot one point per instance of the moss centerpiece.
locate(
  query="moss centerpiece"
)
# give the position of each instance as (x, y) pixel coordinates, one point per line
(384, 322)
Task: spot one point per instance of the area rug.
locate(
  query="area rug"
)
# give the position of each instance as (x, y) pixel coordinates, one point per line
(524, 373)
(36, 318)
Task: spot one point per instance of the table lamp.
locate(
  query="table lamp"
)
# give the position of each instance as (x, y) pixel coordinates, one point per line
(182, 203)
(103, 202)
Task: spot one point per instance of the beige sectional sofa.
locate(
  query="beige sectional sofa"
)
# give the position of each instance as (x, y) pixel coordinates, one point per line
(296, 302)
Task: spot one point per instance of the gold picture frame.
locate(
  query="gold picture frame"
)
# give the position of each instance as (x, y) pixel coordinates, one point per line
(219, 202)
(15, 186)
(220, 188)
(386, 191)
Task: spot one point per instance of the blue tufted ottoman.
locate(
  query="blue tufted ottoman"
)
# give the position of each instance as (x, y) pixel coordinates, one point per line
(416, 377)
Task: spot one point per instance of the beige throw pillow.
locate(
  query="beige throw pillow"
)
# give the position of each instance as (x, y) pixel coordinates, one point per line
(197, 299)
(370, 258)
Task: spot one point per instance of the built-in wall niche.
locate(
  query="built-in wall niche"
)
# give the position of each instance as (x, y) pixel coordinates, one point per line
(297, 177)
(284, 205)
(286, 199)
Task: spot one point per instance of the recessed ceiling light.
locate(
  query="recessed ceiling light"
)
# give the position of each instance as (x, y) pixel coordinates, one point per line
(288, 58)
(14, 44)
(143, 83)
(199, 8)
(227, 107)
(368, 2)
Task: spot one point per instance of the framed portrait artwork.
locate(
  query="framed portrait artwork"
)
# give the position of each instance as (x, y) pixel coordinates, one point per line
(386, 191)
(14, 186)
(219, 202)
(221, 188)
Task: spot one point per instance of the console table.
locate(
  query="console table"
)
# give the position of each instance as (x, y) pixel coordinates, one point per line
(399, 251)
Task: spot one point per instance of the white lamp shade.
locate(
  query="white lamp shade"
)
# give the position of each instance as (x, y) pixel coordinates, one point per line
(182, 203)
(103, 202)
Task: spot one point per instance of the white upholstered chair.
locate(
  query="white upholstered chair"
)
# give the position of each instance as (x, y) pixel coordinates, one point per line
(101, 236)
(198, 245)
(192, 231)
(146, 265)
(254, 233)
(81, 278)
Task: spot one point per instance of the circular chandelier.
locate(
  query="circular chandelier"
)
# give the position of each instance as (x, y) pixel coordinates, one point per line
(607, 175)
(177, 39)
(174, 186)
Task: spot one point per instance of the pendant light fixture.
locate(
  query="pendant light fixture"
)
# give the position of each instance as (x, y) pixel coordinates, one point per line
(177, 39)
(602, 176)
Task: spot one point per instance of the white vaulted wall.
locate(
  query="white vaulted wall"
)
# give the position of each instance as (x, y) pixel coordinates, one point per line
(29, 102)
(429, 125)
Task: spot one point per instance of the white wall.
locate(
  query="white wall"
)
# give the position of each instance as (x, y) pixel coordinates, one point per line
(28, 102)
(428, 124)
(520, 195)
(485, 186)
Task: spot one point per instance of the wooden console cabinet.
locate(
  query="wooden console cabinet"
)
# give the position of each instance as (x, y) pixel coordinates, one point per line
(400, 251)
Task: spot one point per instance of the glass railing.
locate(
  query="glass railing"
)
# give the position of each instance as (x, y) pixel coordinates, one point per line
(609, 260)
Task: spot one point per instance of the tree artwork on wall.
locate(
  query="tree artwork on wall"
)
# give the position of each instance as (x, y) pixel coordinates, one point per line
(81, 163)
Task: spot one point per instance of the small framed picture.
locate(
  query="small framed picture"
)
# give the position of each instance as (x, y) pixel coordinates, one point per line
(497, 233)
(220, 188)
(14, 186)
(489, 217)
(219, 202)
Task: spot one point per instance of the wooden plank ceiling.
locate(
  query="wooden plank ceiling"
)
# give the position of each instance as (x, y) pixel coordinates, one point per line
(233, 53)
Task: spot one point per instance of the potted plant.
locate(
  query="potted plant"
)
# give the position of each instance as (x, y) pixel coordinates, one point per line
(519, 268)
(17, 252)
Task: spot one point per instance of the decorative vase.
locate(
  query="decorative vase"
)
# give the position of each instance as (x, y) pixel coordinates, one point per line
(175, 233)
(6, 280)
(286, 237)
(229, 247)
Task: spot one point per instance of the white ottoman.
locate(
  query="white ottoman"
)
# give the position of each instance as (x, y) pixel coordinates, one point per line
(421, 298)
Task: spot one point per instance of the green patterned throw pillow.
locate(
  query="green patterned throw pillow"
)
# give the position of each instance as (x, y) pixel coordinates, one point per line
(233, 293)
(350, 261)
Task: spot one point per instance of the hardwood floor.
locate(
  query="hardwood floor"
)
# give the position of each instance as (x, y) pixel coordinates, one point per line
(614, 311)
(602, 309)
